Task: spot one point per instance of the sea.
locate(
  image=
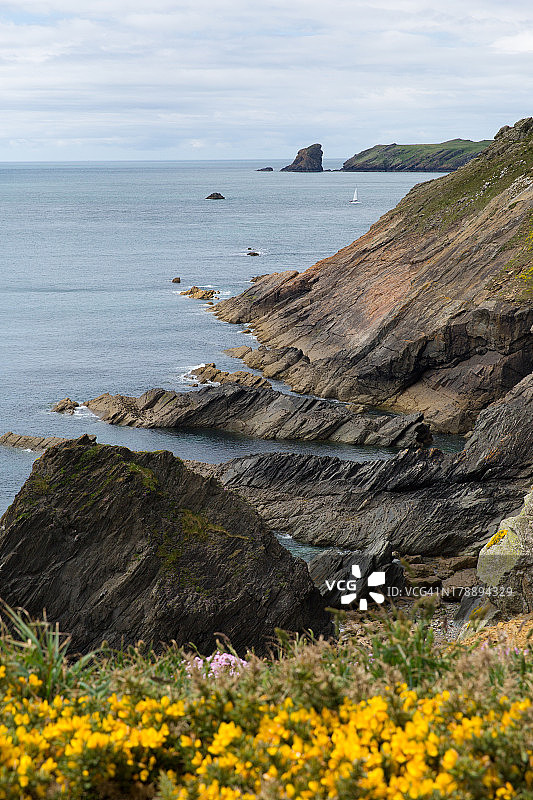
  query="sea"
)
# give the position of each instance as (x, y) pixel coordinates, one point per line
(87, 303)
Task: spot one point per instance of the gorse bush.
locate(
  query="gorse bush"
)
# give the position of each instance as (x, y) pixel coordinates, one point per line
(317, 720)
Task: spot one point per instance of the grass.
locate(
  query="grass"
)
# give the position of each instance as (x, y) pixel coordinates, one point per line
(443, 156)
(314, 720)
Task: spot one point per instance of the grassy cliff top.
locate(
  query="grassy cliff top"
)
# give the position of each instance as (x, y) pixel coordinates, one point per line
(440, 157)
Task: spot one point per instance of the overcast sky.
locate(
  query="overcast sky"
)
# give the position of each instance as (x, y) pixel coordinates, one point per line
(125, 79)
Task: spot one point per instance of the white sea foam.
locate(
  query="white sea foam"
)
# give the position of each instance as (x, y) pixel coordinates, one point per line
(83, 411)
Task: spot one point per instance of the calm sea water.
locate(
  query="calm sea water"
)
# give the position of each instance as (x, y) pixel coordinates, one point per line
(87, 304)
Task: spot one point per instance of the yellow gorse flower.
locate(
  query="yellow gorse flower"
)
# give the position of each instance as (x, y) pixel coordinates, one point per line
(391, 746)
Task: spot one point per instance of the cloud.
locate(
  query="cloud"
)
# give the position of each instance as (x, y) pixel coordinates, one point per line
(116, 78)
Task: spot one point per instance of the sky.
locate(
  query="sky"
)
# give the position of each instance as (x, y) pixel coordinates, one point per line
(124, 79)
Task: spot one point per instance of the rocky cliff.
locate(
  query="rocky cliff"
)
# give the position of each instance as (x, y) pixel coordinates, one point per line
(421, 502)
(442, 157)
(125, 546)
(431, 310)
(259, 411)
(308, 159)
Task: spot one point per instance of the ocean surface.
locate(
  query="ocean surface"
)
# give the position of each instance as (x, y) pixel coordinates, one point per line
(87, 304)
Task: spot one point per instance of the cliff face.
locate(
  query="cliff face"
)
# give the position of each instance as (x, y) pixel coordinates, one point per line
(125, 546)
(431, 310)
(442, 157)
(308, 159)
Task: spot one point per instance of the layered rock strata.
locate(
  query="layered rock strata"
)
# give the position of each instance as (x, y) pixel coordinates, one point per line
(123, 546)
(209, 373)
(431, 310)
(200, 294)
(260, 412)
(36, 443)
(421, 501)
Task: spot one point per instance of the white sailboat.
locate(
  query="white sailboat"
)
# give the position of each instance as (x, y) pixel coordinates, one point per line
(355, 200)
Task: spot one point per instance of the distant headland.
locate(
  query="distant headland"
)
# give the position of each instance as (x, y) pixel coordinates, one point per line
(440, 157)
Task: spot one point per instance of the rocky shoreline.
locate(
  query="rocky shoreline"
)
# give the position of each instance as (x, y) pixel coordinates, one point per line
(429, 314)
(429, 311)
(261, 412)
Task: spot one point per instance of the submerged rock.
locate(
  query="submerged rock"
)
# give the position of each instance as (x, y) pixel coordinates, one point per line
(123, 546)
(261, 412)
(308, 159)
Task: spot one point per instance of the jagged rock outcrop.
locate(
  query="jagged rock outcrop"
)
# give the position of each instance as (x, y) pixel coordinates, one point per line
(260, 412)
(431, 310)
(441, 157)
(201, 294)
(65, 406)
(123, 546)
(36, 443)
(505, 564)
(215, 196)
(308, 159)
(209, 373)
(420, 501)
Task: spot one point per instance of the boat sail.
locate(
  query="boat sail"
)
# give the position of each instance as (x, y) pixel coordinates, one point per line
(355, 200)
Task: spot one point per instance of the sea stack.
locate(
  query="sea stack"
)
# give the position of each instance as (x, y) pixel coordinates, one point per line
(308, 159)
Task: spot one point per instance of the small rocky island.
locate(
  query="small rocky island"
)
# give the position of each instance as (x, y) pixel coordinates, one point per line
(308, 159)
(215, 196)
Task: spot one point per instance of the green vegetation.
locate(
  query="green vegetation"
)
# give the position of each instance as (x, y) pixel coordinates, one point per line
(148, 479)
(441, 157)
(469, 190)
(392, 717)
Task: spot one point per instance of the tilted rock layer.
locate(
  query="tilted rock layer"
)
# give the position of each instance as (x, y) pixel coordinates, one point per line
(417, 502)
(124, 546)
(430, 311)
(259, 411)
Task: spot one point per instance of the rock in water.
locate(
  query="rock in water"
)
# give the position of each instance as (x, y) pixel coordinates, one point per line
(201, 294)
(123, 546)
(259, 411)
(265, 169)
(431, 310)
(308, 159)
(417, 502)
(176, 280)
(215, 196)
